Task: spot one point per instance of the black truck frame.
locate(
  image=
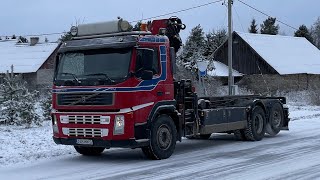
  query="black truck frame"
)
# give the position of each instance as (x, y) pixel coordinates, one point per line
(248, 117)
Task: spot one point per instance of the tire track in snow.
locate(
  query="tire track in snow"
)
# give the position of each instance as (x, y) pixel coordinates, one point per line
(194, 164)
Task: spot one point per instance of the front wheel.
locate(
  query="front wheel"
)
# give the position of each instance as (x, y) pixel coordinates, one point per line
(89, 151)
(163, 137)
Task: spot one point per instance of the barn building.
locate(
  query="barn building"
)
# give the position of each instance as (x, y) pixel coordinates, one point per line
(273, 62)
(34, 60)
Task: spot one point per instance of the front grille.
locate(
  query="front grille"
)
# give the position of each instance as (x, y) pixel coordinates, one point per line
(84, 119)
(85, 99)
(85, 132)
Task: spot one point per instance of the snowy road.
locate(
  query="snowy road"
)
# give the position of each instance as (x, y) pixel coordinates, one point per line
(290, 155)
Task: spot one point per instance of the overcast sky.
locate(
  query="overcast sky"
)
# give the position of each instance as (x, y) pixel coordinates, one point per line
(23, 17)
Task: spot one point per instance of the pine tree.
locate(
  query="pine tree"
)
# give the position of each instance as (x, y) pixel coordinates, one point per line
(46, 104)
(269, 27)
(315, 33)
(13, 37)
(17, 103)
(253, 27)
(22, 40)
(66, 37)
(304, 32)
(214, 40)
(195, 44)
(137, 26)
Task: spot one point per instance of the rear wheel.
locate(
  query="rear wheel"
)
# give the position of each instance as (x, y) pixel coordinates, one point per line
(275, 123)
(256, 125)
(89, 151)
(163, 137)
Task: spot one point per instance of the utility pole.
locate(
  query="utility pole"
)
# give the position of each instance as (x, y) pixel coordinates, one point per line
(230, 30)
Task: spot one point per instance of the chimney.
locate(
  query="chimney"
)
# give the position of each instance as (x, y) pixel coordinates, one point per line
(34, 41)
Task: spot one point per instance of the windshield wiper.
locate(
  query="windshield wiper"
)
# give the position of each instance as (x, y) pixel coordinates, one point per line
(73, 75)
(101, 74)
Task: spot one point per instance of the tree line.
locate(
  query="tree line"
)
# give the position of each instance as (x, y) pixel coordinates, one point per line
(269, 26)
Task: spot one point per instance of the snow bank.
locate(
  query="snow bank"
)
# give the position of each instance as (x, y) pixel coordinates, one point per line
(19, 145)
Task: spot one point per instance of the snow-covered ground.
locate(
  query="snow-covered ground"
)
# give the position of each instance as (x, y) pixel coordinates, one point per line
(19, 145)
(31, 154)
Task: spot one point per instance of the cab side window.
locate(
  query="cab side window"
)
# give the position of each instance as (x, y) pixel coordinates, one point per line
(155, 62)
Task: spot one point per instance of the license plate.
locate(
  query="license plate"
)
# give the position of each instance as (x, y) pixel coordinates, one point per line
(85, 141)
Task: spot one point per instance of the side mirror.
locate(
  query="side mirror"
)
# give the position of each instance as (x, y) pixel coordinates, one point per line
(146, 75)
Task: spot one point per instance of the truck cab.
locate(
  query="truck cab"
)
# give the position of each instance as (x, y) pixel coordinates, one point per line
(108, 84)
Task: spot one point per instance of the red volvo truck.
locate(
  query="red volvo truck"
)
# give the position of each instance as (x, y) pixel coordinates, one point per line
(114, 87)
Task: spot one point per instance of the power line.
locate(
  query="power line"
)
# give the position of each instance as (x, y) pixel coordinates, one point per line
(166, 14)
(44, 34)
(179, 11)
(266, 14)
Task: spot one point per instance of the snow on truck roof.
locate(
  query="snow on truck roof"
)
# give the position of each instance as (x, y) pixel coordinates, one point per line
(24, 58)
(286, 54)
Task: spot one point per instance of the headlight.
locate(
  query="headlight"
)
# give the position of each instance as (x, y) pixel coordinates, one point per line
(118, 125)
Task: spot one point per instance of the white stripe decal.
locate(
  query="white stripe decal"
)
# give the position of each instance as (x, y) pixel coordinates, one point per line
(122, 111)
(135, 108)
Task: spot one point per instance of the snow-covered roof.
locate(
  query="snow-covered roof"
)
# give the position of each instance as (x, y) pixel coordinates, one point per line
(222, 70)
(23, 57)
(286, 54)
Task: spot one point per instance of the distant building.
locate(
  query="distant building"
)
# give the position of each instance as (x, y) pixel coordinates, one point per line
(273, 62)
(34, 60)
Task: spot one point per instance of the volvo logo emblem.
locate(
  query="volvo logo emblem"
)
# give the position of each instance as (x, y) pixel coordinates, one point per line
(83, 99)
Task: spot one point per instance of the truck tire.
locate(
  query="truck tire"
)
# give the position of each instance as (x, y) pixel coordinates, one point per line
(256, 127)
(276, 118)
(163, 137)
(240, 135)
(89, 151)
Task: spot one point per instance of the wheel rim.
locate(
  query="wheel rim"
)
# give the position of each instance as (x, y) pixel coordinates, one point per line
(164, 137)
(276, 119)
(258, 123)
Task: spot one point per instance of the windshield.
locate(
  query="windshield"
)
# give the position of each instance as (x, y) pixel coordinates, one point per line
(94, 67)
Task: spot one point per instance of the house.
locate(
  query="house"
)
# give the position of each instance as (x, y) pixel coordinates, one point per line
(273, 62)
(34, 60)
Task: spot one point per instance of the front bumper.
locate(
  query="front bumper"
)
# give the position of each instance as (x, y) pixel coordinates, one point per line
(132, 143)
